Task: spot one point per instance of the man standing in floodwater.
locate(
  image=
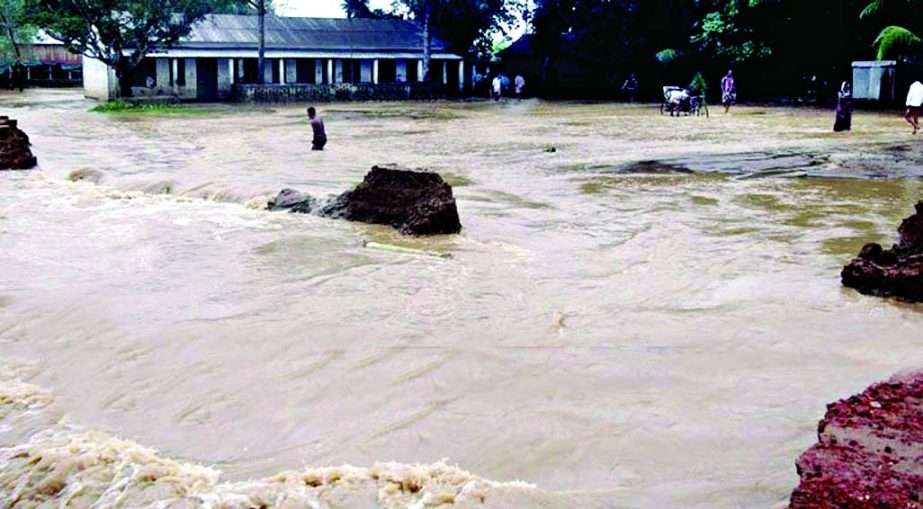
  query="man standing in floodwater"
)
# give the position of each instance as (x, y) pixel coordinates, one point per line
(728, 91)
(520, 83)
(17, 75)
(630, 87)
(317, 125)
(914, 102)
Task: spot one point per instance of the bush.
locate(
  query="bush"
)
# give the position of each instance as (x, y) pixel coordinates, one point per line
(122, 106)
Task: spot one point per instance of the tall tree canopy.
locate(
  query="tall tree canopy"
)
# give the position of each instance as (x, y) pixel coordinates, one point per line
(357, 9)
(902, 24)
(119, 32)
(15, 29)
(468, 27)
(775, 46)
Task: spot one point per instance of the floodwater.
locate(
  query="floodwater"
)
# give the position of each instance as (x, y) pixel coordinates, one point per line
(616, 340)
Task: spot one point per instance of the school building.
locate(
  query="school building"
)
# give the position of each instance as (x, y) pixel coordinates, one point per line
(301, 54)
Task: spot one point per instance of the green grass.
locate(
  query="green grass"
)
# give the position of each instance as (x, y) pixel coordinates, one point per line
(155, 109)
(703, 200)
(455, 180)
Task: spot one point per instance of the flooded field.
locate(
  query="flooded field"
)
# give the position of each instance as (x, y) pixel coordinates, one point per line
(616, 339)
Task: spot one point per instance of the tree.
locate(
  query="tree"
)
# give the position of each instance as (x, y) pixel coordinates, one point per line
(466, 26)
(118, 32)
(895, 39)
(357, 9)
(591, 46)
(471, 27)
(423, 10)
(261, 7)
(726, 35)
(14, 28)
(428, 37)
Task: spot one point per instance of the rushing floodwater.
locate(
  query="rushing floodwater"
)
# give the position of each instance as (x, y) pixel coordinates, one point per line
(621, 340)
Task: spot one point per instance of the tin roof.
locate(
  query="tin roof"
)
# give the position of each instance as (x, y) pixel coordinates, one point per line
(874, 63)
(222, 31)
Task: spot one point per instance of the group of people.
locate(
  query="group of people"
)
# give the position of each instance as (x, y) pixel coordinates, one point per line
(501, 83)
(914, 104)
(844, 106)
(16, 75)
(676, 96)
(842, 123)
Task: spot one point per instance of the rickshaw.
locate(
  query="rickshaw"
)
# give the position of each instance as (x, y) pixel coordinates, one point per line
(678, 101)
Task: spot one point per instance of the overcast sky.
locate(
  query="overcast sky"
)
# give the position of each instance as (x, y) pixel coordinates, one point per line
(321, 8)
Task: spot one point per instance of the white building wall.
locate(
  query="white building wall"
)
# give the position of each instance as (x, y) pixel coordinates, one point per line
(162, 76)
(267, 70)
(291, 70)
(462, 79)
(224, 78)
(99, 80)
(191, 88)
(338, 71)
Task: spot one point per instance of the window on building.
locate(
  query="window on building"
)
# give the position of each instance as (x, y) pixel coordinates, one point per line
(249, 68)
(180, 78)
(146, 69)
(305, 70)
(349, 72)
(387, 70)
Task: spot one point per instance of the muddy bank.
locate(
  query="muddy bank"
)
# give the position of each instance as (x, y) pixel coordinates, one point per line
(412, 202)
(869, 452)
(15, 153)
(896, 272)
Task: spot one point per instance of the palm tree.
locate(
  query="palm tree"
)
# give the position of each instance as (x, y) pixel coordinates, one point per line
(893, 38)
(357, 9)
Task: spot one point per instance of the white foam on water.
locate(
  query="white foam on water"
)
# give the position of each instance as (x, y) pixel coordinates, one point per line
(65, 466)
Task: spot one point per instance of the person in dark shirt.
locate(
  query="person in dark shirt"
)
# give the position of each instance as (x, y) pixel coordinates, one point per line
(317, 125)
(17, 75)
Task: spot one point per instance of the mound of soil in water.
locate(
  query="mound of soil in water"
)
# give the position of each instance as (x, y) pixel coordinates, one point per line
(869, 452)
(896, 272)
(655, 167)
(14, 147)
(413, 202)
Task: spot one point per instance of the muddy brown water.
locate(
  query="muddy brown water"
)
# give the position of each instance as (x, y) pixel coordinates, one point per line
(622, 340)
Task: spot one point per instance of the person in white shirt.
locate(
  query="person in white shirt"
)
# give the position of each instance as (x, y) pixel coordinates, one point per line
(914, 102)
(497, 87)
(520, 83)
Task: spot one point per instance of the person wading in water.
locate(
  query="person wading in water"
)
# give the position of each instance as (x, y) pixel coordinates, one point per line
(317, 125)
(843, 108)
(914, 103)
(17, 75)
